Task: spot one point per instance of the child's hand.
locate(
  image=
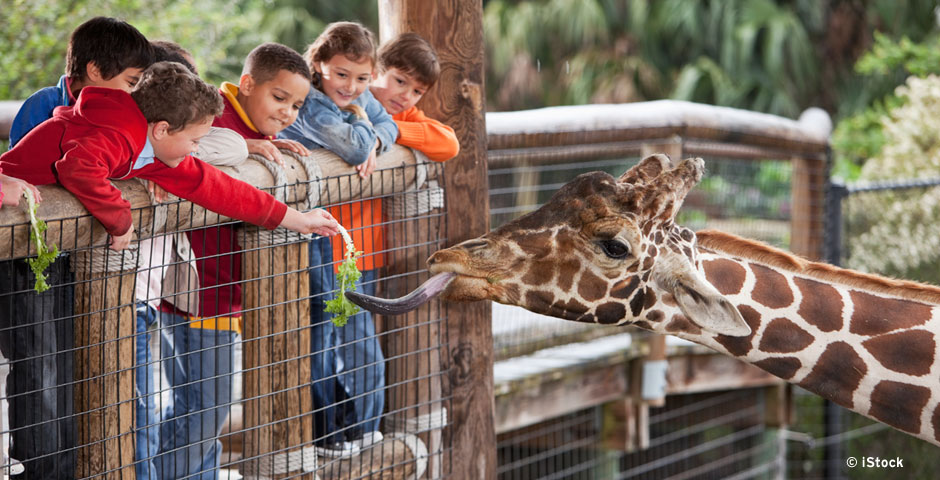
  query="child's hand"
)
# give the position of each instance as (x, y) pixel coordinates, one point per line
(159, 194)
(367, 167)
(317, 221)
(121, 242)
(266, 149)
(292, 145)
(322, 223)
(13, 188)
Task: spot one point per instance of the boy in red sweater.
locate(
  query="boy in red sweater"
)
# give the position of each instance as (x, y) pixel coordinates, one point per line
(408, 68)
(111, 135)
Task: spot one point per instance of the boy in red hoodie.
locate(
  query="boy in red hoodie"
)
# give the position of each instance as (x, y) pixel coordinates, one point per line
(110, 134)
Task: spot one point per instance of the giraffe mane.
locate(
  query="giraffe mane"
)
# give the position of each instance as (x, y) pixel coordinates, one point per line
(774, 257)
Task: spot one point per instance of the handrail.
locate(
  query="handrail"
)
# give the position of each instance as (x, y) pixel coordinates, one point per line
(337, 183)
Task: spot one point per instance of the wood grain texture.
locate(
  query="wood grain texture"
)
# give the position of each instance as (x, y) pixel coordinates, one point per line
(455, 29)
(278, 408)
(338, 184)
(104, 373)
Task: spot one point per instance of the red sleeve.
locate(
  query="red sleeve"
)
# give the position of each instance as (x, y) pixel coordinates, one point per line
(85, 169)
(431, 137)
(205, 185)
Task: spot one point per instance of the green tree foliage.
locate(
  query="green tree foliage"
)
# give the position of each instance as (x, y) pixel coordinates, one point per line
(219, 33)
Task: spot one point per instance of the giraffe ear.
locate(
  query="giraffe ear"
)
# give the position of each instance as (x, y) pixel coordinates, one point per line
(707, 308)
(704, 305)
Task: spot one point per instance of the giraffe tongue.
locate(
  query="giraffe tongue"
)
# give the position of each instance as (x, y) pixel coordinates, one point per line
(413, 300)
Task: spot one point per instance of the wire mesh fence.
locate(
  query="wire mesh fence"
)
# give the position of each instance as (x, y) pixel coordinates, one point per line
(206, 352)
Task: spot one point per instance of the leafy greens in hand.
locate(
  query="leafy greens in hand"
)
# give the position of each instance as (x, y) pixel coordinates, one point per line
(349, 274)
(44, 256)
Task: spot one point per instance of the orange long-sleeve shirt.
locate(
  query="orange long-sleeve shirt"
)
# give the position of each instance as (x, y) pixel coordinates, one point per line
(415, 130)
(423, 133)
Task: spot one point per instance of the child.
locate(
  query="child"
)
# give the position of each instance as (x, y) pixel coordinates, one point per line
(342, 60)
(102, 52)
(167, 272)
(408, 68)
(271, 90)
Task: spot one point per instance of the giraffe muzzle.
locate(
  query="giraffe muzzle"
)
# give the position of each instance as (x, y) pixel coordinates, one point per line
(397, 306)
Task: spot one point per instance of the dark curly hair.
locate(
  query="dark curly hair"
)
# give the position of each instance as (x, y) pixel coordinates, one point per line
(169, 92)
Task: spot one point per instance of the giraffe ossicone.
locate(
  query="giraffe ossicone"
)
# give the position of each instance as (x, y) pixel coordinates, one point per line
(608, 251)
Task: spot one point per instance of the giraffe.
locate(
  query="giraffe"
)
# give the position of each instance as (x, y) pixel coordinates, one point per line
(608, 251)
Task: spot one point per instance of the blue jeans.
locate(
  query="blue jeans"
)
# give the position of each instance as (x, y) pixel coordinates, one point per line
(148, 419)
(347, 365)
(198, 364)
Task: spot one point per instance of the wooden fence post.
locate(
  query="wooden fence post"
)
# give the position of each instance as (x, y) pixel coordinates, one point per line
(278, 418)
(104, 362)
(455, 30)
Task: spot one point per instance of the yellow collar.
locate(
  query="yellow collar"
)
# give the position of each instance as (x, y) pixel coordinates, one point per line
(230, 90)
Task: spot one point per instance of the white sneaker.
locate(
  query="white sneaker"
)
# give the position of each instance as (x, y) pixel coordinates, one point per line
(15, 466)
(367, 440)
(338, 450)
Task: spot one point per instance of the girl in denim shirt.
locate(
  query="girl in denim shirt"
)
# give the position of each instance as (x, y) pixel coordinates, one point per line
(341, 115)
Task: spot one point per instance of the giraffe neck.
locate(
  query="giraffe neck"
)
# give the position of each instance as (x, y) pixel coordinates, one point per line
(864, 342)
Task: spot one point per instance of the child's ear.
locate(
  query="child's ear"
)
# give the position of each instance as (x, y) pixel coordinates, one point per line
(160, 130)
(245, 84)
(92, 72)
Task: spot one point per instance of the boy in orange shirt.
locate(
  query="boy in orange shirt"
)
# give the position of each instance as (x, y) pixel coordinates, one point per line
(408, 68)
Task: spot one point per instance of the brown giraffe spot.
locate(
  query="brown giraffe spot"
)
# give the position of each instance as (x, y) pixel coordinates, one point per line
(725, 275)
(909, 352)
(534, 243)
(680, 323)
(610, 312)
(837, 373)
(739, 346)
(591, 287)
(636, 303)
(784, 336)
(648, 263)
(771, 288)
(570, 310)
(540, 272)
(876, 315)
(644, 325)
(935, 421)
(566, 273)
(587, 318)
(655, 316)
(821, 305)
(624, 288)
(669, 299)
(650, 298)
(539, 301)
(784, 367)
(899, 404)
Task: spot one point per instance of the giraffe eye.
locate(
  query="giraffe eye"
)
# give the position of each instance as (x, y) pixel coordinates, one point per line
(614, 248)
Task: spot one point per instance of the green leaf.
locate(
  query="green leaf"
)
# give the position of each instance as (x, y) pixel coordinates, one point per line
(349, 274)
(44, 256)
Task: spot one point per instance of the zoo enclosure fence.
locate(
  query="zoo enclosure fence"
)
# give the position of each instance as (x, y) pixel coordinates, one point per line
(766, 179)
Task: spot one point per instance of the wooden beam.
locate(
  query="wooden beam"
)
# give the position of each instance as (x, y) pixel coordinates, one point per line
(455, 29)
(70, 228)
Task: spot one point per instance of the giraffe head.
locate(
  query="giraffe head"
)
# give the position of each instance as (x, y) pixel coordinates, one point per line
(601, 250)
